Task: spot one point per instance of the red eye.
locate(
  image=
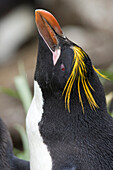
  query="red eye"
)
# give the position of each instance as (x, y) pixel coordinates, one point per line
(62, 67)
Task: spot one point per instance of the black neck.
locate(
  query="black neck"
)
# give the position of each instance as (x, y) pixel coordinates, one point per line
(56, 99)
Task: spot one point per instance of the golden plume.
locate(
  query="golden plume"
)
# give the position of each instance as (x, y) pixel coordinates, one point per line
(79, 73)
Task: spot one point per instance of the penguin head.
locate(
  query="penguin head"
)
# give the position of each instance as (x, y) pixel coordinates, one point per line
(62, 66)
(55, 55)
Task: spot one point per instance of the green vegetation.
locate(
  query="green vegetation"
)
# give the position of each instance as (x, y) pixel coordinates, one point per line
(23, 94)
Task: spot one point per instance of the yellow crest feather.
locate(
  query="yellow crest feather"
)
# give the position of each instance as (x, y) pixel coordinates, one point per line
(79, 73)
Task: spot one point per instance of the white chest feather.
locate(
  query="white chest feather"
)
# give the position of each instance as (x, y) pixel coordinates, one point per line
(40, 158)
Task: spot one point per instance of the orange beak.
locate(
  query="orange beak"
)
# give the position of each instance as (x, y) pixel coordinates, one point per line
(47, 26)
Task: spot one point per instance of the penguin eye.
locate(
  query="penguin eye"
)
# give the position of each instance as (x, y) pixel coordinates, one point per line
(62, 67)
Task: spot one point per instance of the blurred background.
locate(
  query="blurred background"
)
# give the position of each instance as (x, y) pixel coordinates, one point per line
(88, 23)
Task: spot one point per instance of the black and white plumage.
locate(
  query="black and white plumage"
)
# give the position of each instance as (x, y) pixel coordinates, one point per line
(73, 132)
(8, 161)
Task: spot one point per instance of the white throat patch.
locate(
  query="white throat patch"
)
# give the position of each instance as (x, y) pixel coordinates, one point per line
(40, 158)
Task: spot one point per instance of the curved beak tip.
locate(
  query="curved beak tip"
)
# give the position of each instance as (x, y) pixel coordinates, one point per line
(51, 20)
